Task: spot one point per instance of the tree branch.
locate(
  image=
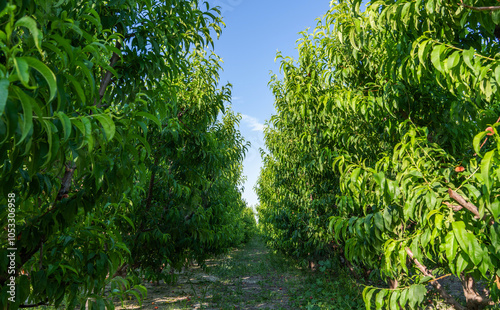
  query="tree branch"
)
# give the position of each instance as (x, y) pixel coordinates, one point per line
(474, 299)
(482, 8)
(447, 297)
(452, 206)
(121, 271)
(469, 206)
(107, 76)
(66, 182)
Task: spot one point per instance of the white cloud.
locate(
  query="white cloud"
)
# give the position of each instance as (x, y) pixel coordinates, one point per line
(252, 122)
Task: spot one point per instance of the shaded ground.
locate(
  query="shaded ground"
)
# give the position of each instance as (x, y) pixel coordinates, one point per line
(254, 278)
(249, 278)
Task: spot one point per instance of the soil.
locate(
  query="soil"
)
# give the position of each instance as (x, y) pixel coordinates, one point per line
(247, 278)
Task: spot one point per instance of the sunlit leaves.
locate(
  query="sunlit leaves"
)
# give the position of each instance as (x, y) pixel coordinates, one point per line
(107, 125)
(436, 55)
(72, 89)
(409, 89)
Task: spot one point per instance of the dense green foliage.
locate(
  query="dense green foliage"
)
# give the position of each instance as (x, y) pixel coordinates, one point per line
(249, 224)
(117, 145)
(379, 131)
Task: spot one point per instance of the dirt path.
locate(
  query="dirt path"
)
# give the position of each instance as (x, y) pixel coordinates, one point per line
(247, 278)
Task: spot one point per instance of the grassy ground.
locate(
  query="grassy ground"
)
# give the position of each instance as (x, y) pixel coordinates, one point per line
(253, 278)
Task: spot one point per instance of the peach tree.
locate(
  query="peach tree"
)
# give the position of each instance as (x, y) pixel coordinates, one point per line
(380, 136)
(106, 128)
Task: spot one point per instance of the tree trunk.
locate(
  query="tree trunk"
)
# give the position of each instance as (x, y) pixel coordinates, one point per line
(474, 300)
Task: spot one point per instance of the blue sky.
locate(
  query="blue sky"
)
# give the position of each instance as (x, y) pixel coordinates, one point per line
(255, 31)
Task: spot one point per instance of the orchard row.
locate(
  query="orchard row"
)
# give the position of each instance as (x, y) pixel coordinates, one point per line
(116, 142)
(385, 148)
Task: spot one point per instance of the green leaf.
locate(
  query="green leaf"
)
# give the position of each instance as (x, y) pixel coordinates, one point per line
(425, 279)
(436, 56)
(387, 218)
(143, 141)
(393, 303)
(47, 74)
(438, 221)
(4, 92)
(355, 175)
(379, 300)
(129, 221)
(402, 256)
(23, 287)
(451, 246)
(22, 70)
(352, 38)
(453, 60)
(497, 70)
(430, 199)
(367, 296)
(423, 49)
(66, 124)
(418, 293)
(460, 234)
(430, 6)
(30, 23)
(151, 117)
(48, 128)
(87, 138)
(461, 263)
(26, 102)
(107, 124)
(134, 293)
(468, 57)
(475, 251)
(495, 209)
(495, 235)
(78, 89)
(78, 124)
(486, 164)
(100, 305)
(495, 15)
(478, 141)
(379, 177)
(473, 191)
(486, 264)
(379, 221)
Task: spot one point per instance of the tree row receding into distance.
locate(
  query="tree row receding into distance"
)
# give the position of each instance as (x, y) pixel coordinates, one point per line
(119, 159)
(385, 148)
